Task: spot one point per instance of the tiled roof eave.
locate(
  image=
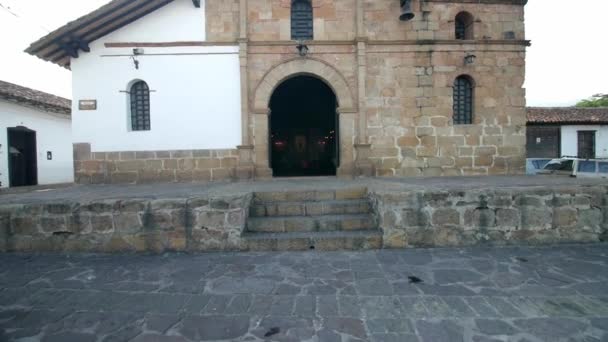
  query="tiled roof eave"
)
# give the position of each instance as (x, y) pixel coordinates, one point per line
(45, 107)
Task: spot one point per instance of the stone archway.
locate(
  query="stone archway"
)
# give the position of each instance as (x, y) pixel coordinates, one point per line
(347, 110)
(303, 66)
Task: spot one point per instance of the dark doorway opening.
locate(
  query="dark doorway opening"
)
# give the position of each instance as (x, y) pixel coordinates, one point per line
(304, 129)
(22, 161)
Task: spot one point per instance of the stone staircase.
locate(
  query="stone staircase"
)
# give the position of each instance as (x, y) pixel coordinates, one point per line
(312, 220)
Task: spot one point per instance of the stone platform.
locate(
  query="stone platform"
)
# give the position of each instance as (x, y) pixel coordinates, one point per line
(298, 214)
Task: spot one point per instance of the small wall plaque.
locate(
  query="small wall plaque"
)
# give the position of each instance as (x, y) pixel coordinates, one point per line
(87, 105)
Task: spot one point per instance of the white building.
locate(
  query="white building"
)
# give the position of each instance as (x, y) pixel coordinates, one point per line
(149, 92)
(35, 137)
(574, 132)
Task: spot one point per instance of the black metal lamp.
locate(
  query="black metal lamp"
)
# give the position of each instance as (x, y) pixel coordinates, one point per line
(302, 48)
(469, 59)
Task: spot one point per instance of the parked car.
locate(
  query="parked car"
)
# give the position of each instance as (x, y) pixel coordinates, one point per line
(534, 165)
(576, 167)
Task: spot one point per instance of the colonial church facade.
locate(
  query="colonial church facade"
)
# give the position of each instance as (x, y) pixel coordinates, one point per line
(203, 90)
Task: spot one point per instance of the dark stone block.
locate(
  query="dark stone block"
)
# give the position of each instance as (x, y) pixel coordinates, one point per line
(51, 224)
(59, 208)
(24, 225)
(528, 200)
(100, 207)
(134, 205)
(102, 223)
(220, 204)
(446, 217)
(415, 218)
(210, 328)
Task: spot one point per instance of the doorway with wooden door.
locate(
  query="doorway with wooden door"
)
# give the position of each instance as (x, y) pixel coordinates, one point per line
(304, 128)
(22, 160)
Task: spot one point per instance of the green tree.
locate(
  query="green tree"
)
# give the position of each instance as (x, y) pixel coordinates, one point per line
(599, 100)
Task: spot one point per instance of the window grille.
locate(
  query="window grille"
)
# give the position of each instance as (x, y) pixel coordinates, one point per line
(301, 20)
(464, 26)
(463, 101)
(461, 29)
(140, 106)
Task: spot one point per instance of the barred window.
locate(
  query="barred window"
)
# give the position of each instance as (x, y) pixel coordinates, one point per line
(140, 106)
(463, 101)
(301, 20)
(464, 26)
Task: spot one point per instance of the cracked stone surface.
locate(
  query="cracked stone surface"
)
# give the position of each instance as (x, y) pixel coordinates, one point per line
(557, 293)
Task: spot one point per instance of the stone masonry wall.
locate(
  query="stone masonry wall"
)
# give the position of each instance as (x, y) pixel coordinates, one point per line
(408, 71)
(222, 20)
(270, 20)
(131, 225)
(409, 111)
(410, 218)
(460, 218)
(153, 166)
(435, 20)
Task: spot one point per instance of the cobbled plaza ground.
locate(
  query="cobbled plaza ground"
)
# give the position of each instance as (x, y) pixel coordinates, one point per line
(557, 293)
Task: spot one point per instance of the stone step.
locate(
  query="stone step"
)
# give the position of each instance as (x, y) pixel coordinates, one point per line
(323, 241)
(311, 195)
(302, 208)
(279, 224)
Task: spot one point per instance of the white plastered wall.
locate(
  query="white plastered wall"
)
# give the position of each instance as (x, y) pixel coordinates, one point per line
(195, 98)
(570, 139)
(53, 134)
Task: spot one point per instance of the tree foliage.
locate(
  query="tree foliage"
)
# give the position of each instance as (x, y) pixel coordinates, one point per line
(598, 100)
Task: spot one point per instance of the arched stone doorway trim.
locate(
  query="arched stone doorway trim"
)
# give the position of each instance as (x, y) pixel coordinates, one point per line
(347, 110)
(303, 66)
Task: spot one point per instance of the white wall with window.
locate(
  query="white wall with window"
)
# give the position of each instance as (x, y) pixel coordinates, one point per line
(52, 134)
(194, 89)
(570, 139)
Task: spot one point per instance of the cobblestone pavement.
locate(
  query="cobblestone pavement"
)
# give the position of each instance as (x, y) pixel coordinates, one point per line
(557, 293)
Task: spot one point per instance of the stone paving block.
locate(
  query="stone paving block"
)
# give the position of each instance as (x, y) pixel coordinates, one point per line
(305, 306)
(209, 328)
(327, 306)
(392, 337)
(348, 326)
(70, 337)
(349, 306)
(495, 327)
(481, 307)
(439, 331)
(551, 328)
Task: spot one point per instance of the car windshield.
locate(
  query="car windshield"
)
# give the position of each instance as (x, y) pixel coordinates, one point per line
(559, 165)
(540, 163)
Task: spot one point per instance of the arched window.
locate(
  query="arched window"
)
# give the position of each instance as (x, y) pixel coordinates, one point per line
(140, 106)
(463, 101)
(301, 20)
(464, 26)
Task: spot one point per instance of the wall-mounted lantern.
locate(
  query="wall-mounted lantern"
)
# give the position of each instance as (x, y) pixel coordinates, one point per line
(302, 48)
(469, 59)
(406, 10)
(137, 52)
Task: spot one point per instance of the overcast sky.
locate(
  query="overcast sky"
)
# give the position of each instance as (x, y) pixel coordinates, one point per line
(568, 60)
